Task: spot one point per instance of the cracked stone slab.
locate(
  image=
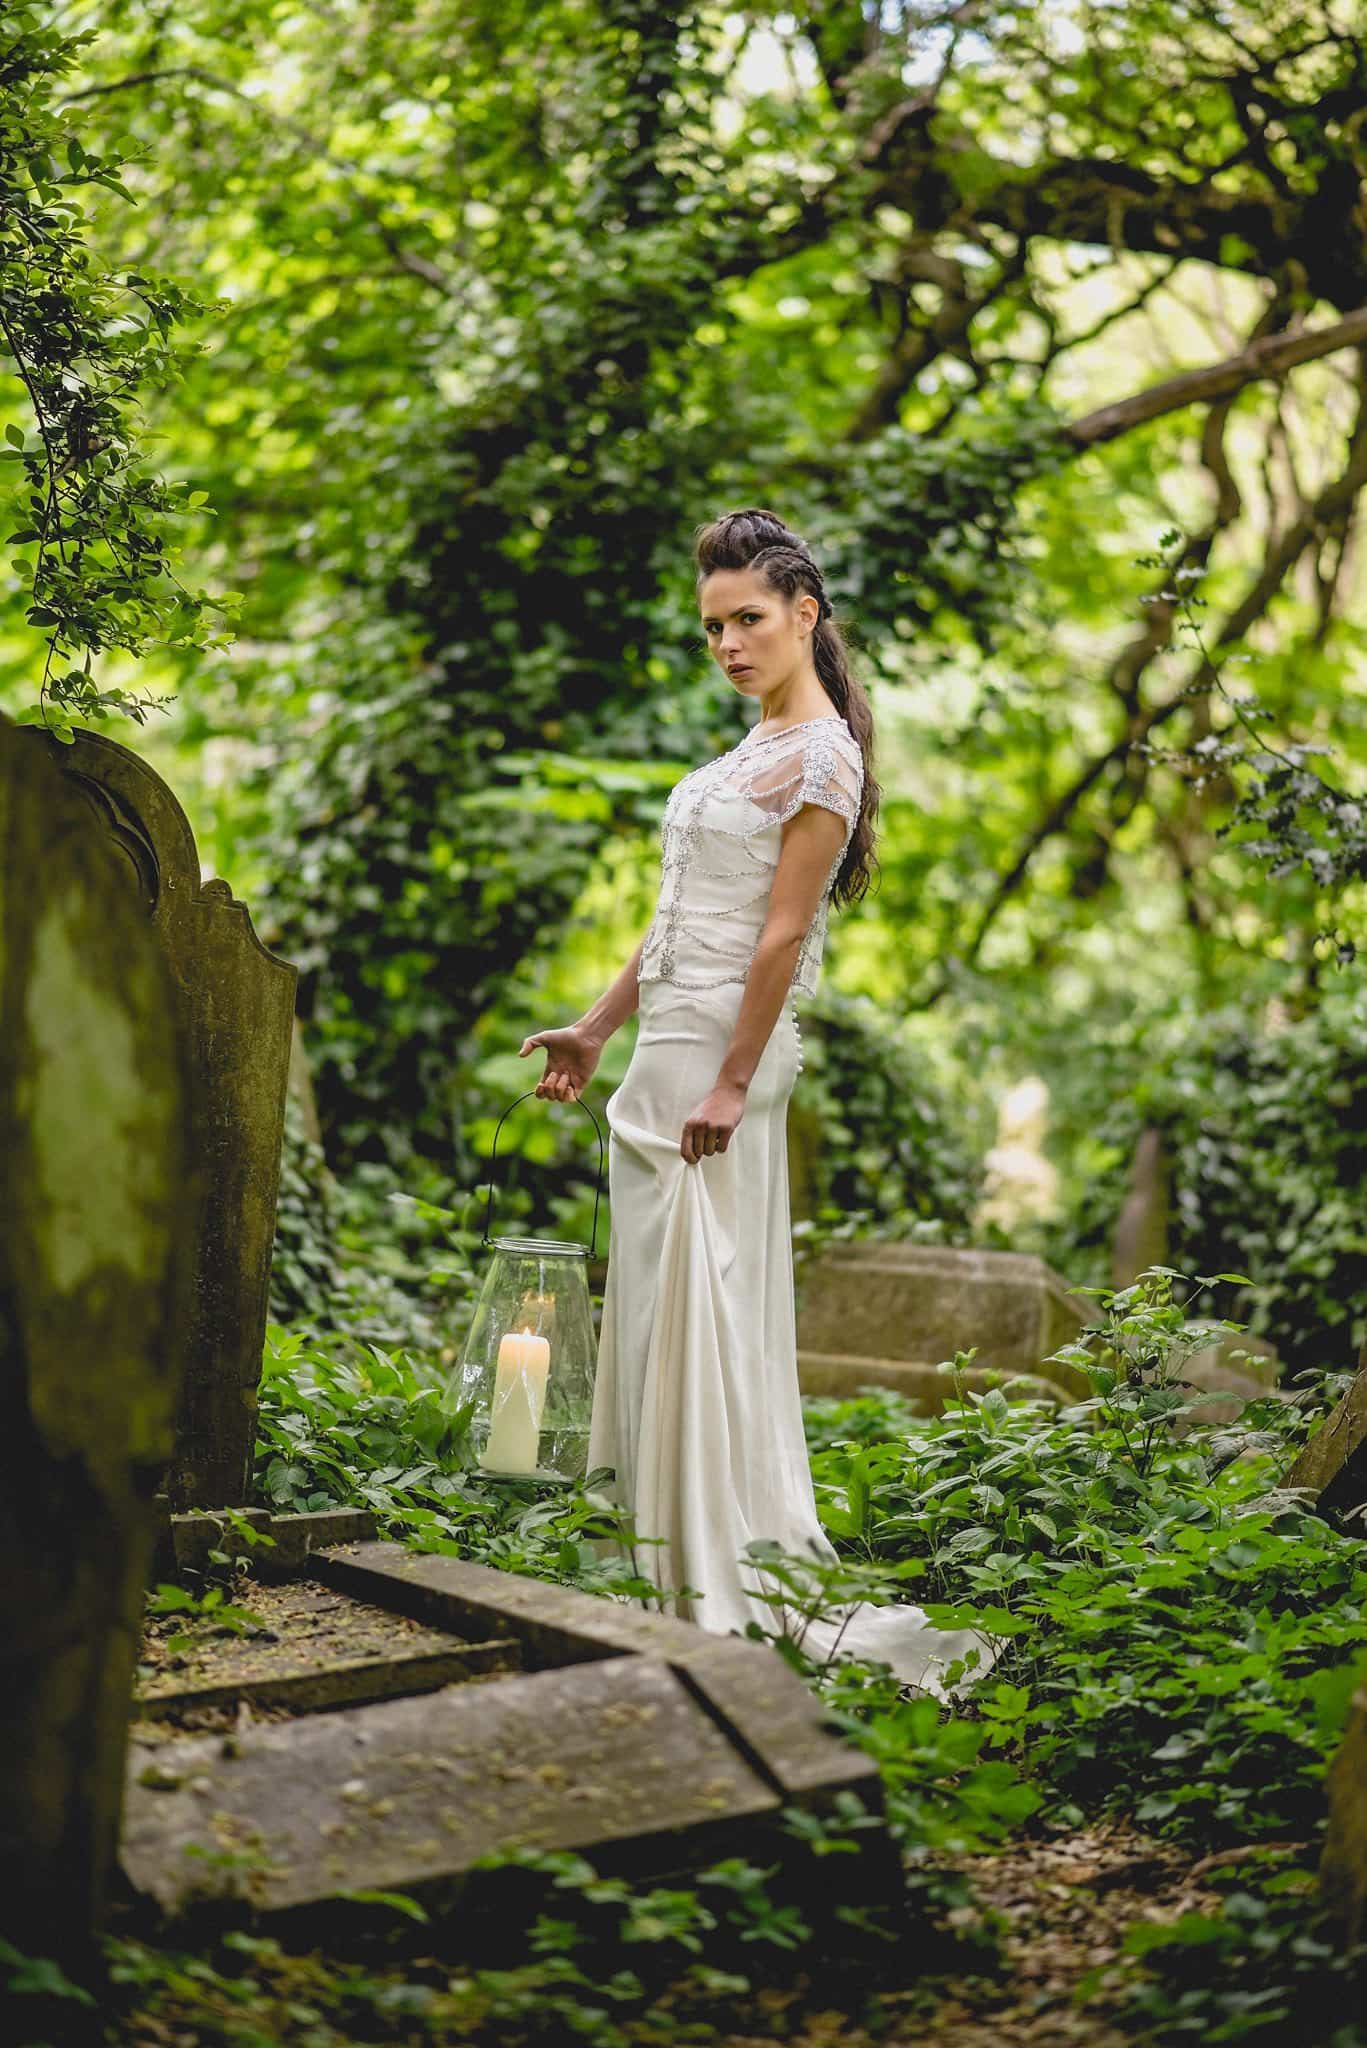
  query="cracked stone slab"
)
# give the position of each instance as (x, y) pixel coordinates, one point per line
(768, 1710)
(407, 1795)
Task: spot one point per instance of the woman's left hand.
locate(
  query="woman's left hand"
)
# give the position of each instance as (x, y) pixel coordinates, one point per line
(711, 1124)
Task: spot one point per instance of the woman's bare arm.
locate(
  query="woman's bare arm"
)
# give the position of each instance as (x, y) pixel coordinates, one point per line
(617, 1002)
(811, 841)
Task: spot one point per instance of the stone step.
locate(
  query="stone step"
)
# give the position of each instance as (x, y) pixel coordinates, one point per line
(892, 1300)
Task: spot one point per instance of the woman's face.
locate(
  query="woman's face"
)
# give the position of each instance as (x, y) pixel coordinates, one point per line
(756, 635)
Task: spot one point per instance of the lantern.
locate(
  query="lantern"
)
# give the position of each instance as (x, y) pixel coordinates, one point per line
(526, 1370)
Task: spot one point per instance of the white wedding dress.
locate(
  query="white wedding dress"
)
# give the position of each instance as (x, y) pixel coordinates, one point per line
(696, 1406)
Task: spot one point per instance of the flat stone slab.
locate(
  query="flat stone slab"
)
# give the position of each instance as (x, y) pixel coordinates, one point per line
(555, 1624)
(927, 1388)
(763, 1706)
(406, 1795)
(650, 1745)
(923, 1303)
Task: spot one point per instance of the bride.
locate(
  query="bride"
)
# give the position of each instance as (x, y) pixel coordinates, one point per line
(697, 1408)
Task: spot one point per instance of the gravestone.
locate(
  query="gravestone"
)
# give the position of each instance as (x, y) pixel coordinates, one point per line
(234, 1004)
(888, 1312)
(96, 1258)
(1140, 1239)
(1333, 1465)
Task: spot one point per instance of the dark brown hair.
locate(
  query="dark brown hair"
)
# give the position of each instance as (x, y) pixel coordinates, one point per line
(760, 541)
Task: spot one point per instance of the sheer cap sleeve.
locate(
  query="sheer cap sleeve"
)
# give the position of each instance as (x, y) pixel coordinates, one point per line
(819, 763)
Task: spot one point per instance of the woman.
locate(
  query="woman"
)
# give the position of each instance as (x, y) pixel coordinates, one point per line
(697, 1408)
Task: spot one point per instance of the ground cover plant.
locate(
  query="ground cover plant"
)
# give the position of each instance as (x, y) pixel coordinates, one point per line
(1179, 1640)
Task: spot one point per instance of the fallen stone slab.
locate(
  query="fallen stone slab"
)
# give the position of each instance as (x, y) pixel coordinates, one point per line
(555, 1624)
(353, 1682)
(919, 1303)
(645, 1743)
(927, 1388)
(406, 1796)
(764, 1707)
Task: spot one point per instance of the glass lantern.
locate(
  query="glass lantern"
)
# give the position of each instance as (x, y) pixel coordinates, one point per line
(526, 1371)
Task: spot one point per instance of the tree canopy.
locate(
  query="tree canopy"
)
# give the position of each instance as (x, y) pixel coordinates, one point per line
(1047, 325)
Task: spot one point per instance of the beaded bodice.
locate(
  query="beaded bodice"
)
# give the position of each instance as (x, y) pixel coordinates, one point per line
(720, 843)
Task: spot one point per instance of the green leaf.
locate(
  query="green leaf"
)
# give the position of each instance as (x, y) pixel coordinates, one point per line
(399, 1901)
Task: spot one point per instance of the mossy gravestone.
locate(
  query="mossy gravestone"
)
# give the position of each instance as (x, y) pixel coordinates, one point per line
(96, 1186)
(234, 1003)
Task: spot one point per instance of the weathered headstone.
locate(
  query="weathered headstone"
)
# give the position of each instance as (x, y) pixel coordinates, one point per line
(887, 1301)
(234, 1004)
(1333, 1465)
(96, 1193)
(1141, 1229)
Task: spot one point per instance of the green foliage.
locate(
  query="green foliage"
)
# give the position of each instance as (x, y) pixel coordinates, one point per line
(206, 1614)
(334, 1432)
(1262, 1966)
(372, 1259)
(888, 1148)
(556, 382)
(1285, 813)
(83, 338)
(1266, 1134)
(1179, 1635)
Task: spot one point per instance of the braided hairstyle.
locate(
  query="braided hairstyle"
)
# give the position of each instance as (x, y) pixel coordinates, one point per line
(760, 541)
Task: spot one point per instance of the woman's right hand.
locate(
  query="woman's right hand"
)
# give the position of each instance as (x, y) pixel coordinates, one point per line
(571, 1056)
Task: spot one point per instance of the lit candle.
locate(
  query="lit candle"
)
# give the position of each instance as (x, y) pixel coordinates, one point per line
(519, 1397)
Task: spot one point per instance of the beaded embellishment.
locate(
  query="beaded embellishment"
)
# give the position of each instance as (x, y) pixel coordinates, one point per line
(720, 842)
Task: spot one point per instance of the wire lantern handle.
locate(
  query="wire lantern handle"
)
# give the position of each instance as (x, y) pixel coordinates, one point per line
(493, 1155)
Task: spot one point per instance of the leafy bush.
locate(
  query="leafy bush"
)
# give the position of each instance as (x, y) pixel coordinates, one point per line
(1266, 1132)
(372, 1259)
(890, 1147)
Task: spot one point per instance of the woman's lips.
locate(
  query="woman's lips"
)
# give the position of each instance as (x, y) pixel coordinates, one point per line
(741, 669)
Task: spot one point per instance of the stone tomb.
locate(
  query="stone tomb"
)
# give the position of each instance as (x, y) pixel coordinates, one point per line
(573, 1722)
(886, 1313)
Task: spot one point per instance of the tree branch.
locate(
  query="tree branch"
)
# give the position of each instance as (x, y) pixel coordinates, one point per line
(1270, 357)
